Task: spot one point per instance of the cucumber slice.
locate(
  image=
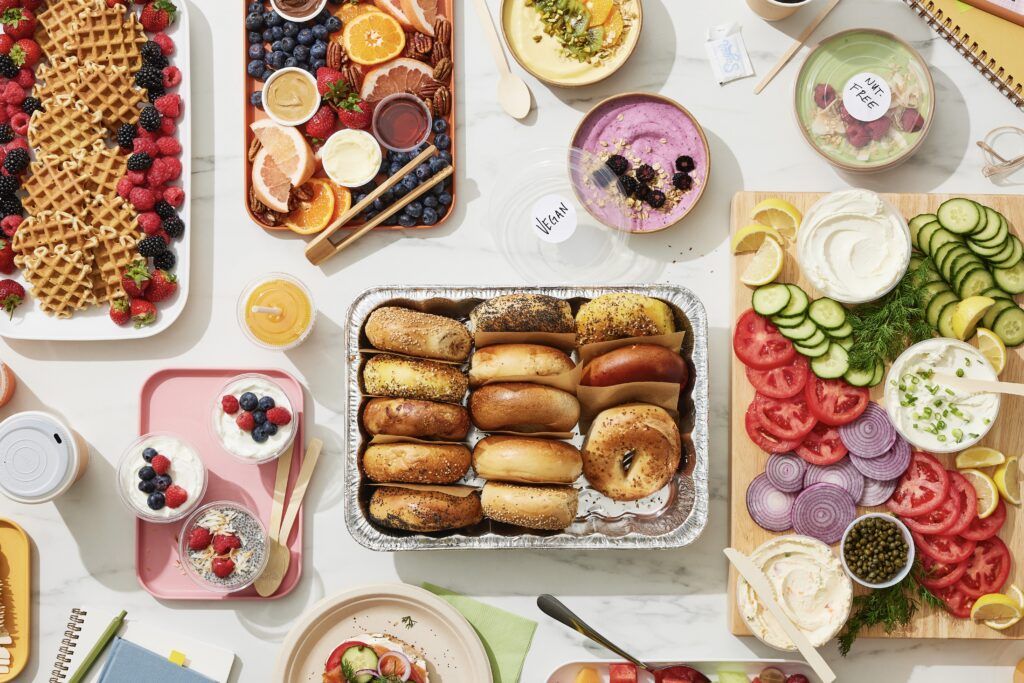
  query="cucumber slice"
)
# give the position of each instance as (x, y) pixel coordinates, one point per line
(936, 305)
(1002, 232)
(797, 301)
(781, 321)
(1002, 260)
(982, 219)
(833, 363)
(814, 340)
(800, 332)
(879, 375)
(986, 252)
(845, 342)
(946, 320)
(827, 313)
(841, 332)
(961, 262)
(924, 235)
(813, 351)
(943, 236)
(1009, 325)
(916, 223)
(1010, 279)
(991, 229)
(975, 282)
(932, 289)
(959, 215)
(770, 299)
(944, 253)
(1003, 254)
(358, 658)
(859, 378)
(996, 292)
(989, 319)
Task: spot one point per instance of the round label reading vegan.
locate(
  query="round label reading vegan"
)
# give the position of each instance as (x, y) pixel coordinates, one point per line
(867, 97)
(554, 218)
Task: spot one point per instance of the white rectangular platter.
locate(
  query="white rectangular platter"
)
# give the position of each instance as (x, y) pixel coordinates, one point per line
(710, 668)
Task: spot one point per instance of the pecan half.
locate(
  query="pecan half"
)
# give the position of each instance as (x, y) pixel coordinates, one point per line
(353, 75)
(443, 70)
(254, 147)
(336, 55)
(427, 90)
(255, 205)
(442, 102)
(443, 31)
(439, 52)
(422, 44)
(303, 193)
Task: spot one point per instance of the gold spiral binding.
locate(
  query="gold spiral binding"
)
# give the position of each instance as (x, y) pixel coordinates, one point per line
(1011, 88)
(67, 646)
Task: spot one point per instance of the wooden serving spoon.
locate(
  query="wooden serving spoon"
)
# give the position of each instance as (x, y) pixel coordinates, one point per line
(513, 94)
(985, 385)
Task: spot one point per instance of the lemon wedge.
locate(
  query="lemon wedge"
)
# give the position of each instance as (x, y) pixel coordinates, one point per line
(1002, 624)
(979, 456)
(765, 266)
(967, 314)
(779, 214)
(988, 493)
(995, 606)
(751, 237)
(992, 347)
(1007, 479)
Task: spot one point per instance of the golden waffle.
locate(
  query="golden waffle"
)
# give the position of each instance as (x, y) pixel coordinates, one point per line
(56, 78)
(107, 35)
(113, 212)
(54, 24)
(109, 90)
(49, 229)
(54, 183)
(59, 278)
(100, 168)
(64, 125)
(112, 254)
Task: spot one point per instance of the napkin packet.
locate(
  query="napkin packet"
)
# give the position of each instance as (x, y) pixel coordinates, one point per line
(728, 53)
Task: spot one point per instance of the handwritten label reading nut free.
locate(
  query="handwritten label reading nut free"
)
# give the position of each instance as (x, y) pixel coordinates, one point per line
(554, 218)
(867, 97)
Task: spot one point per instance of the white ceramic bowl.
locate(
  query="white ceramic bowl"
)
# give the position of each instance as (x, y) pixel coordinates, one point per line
(904, 531)
(373, 167)
(266, 88)
(297, 19)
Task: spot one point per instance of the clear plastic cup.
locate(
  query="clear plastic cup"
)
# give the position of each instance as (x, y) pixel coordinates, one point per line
(250, 530)
(183, 473)
(238, 442)
(281, 320)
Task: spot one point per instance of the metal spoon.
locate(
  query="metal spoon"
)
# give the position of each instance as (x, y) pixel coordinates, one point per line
(513, 94)
(554, 608)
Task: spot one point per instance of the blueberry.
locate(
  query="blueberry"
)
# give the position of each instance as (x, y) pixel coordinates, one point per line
(305, 37)
(162, 481)
(423, 171)
(268, 35)
(248, 401)
(333, 24)
(430, 201)
(367, 188)
(259, 416)
(266, 403)
(391, 220)
(146, 473)
(277, 33)
(287, 43)
(446, 155)
(406, 221)
(400, 190)
(414, 209)
(147, 486)
(320, 32)
(291, 62)
(255, 37)
(437, 164)
(388, 196)
(255, 68)
(411, 178)
(278, 59)
(256, 51)
(149, 454)
(315, 64)
(440, 126)
(259, 436)
(318, 51)
(270, 428)
(442, 141)
(429, 217)
(265, 76)
(301, 53)
(255, 7)
(275, 46)
(156, 500)
(254, 21)
(360, 197)
(378, 204)
(422, 146)
(394, 168)
(290, 28)
(322, 16)
(410, 184)
(444, 199)
(273, 19)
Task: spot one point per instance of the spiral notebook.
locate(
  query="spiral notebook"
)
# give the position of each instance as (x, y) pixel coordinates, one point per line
(988, 41)
(85, 625)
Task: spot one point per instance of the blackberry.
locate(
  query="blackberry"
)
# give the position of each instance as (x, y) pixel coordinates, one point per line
(30, 105)
(173, 226)
(150, 119)
(618, 164)
(151, 246)
(152, 55)
(139, 161)
(646, 173)
(11, 206)
(682, 181)
(126, 135)
(8, 69)
(164, 210)
(628, 185)
(17, 160)
(684, 164)
(155, 93)
(655, 198)
(164, 260)
(8, 185)
(6, 133)
(149, 77)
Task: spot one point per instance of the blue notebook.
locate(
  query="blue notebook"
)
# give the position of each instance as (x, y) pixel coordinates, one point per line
(129, 663)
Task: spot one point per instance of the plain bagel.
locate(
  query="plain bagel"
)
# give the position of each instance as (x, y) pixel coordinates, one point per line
(550, 508)
(418, 419)
(423, 511)
(492, 363)
(644, 434)
(403, 330)
(528, 460)
(416, 463)
(523, 407)
(636, 363)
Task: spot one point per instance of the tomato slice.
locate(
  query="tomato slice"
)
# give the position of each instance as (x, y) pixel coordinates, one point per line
(622, 673)
(834, 401)
(961, 490)
(939, 521)
(988, 567)
(938, 575)
(765, 440)
(922, 488)
(944, 549)
(980, 529)
(822, 446)
(786, 381)
(958, 603)
(334, 661)
(785, 418)
(758, 343)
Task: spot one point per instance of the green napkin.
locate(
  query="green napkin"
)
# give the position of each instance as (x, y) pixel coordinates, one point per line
(505, 636)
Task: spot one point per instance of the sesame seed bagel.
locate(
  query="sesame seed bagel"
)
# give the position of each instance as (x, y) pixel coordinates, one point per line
(551, 508)
(403, 330)
(418, 419)
(623, 314)
(423, 511)
(416, 463)
(400, 377)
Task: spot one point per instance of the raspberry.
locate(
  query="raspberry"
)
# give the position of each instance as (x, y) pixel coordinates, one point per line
(124, 188)
(175, 496)
(16, 143)
(168, 146)
(137, 177)
(279, 416)
(163, 235)
(165, 43)
(149, 134)
(225, 543)
(222, 566)
(13, 94)
(229, 404)
(175, 196)
(172, 77)
(158, 174)
(25, 78)
(145, 145)
(245, 421)
(11, 110)
(4, 116)
(172, 165)
(167, 127)
(10, 225)
(142, 199)
(168, 105)
(160, 463)
(19, 122)
(149, 222)
(199, 538)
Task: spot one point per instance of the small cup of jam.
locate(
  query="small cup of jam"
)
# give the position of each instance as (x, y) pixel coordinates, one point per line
(401, 122)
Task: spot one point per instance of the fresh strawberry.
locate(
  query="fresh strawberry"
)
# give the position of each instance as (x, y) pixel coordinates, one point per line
(143, 312)
(135, 279)
(199, 538)
(172, 77)
(327, 80)
(175, 496)
(6, 257)
(119, 311)
(149, 222)
(11, 296)
(10, 224)
(165, 42)
(229, 404)
(279, 416)
(26, 78)
(18, 22)
(157, 15)
(32, 4)
(161, 464)
(222, 566)
(163, 286)
(169, 105)
(26, 52)
(355, 115)
(6, 42)
(244, 420)
(322, 124)
(225, 543)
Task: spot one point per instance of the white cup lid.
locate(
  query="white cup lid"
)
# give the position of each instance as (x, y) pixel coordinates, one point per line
(37, 453)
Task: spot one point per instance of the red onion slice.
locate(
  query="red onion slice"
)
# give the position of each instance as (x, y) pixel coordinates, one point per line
(402, 659)
(823, 511)
(842, 474)
(871, 435)
(785, 472)
(769, 507)
(876, 491)
(892, 465)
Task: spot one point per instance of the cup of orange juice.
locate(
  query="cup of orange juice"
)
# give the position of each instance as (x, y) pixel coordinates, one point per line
(276, 311)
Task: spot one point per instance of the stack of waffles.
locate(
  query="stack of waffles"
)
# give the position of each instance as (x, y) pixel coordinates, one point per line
(79, 234)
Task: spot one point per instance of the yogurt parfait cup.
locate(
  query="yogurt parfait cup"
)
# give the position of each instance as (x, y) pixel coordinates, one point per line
(40, 457)
(907, 538)
(252, 418)
(161, 478)
(223, 547)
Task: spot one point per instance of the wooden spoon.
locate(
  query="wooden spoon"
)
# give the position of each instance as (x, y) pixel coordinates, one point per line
(989, 386)
(265, 584)
(513, 94)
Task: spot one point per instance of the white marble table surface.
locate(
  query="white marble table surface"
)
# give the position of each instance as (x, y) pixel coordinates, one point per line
(661, 604)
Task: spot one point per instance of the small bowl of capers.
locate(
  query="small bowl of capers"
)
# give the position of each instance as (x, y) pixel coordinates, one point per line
(877, 550)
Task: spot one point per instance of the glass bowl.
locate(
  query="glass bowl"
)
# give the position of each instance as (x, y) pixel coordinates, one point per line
(255, 538)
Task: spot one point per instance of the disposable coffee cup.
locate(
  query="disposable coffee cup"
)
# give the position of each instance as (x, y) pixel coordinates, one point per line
(40, 457)
(774, 10)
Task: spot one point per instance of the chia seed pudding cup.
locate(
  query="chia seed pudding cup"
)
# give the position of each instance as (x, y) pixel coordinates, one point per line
(208, 566)
(186, 472)
(241, 443)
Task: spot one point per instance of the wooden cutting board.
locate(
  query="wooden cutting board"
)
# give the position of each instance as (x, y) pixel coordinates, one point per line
(747, 460)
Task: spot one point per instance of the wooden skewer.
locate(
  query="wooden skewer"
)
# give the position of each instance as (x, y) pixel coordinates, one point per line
(323, 247)
(797, 44)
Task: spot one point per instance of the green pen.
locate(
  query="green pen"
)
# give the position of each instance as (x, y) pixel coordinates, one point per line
(98, 648)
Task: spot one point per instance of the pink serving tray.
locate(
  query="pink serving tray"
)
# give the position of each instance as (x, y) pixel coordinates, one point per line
(179, 400)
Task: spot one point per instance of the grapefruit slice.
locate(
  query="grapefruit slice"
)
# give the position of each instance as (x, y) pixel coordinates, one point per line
(348, 11)
(400, 75)
(422, 14)
(269, 183)
(394, 8)
(288, 148)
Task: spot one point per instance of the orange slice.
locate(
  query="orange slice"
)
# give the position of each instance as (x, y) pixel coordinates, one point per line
(342, 201)
(422, 14)
(348, 11)
(599, 10)
(312, 216)
(400, 75)
(614, 26)
(373, 38)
